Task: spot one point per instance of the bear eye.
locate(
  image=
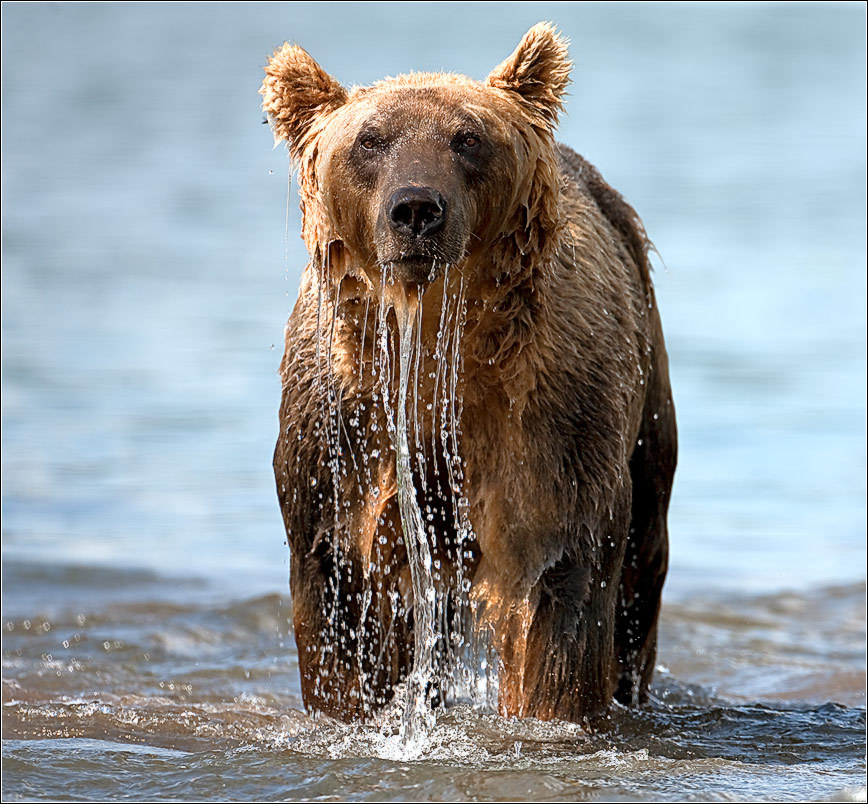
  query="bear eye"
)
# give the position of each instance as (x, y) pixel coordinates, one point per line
(370, 142)
(466, 142)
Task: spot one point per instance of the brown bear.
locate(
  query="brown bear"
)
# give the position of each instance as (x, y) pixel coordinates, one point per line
(477, 437)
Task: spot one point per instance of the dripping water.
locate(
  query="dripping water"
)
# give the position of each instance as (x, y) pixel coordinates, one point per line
(418, 717)
(442, 664)
(404, 370)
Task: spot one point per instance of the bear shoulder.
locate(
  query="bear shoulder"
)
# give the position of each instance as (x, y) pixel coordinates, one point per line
(621, 216)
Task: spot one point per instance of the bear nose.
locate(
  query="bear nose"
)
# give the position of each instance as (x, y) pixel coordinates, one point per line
(416, 211)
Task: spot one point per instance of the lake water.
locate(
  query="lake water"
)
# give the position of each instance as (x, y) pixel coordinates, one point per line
(150, 260)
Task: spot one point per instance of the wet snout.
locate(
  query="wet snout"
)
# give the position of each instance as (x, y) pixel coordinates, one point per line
(421, 217)
(416, 212)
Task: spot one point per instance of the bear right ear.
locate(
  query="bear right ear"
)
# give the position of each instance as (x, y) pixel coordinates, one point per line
(538, 72)
(295, 90)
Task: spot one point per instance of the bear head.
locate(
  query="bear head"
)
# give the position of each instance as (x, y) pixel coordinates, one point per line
(427, 170)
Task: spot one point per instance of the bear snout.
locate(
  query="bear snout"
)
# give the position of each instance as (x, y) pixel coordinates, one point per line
(416, 212)
(419, 232)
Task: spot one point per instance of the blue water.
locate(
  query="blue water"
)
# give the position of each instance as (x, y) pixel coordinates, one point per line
(150, 259)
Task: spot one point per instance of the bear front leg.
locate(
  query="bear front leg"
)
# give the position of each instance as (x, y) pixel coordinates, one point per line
(557, 659)
(351, 629)
(556, 642)
(348, 574)
(324, 636)
(352, 619)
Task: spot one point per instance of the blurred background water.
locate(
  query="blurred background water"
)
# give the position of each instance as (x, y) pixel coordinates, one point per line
(150, 258)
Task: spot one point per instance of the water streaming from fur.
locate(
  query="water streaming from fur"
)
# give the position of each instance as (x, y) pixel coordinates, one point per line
(443, 664)
(417, 385)
(418, 718)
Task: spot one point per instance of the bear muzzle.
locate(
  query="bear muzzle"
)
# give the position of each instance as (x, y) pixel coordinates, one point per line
(418, 234)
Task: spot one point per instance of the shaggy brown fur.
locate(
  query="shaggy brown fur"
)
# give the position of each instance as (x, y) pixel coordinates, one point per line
(568, 440)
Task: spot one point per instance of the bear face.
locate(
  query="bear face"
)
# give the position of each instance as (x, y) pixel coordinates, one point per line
(456, 248)
(415, 196)
(426, 163)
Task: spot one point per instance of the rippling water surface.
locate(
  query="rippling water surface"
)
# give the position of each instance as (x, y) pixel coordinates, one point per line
(141, 695)
(149, 262)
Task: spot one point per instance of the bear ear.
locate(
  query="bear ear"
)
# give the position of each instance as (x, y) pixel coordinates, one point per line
(295, 90)
(538, 71)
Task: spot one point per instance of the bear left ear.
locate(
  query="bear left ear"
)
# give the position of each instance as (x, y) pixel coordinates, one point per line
(538, 71)
(295, 90)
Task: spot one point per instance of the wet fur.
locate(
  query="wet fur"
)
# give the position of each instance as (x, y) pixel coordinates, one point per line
(568, 434)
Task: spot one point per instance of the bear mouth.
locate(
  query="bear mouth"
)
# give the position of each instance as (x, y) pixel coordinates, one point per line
(418, 269)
